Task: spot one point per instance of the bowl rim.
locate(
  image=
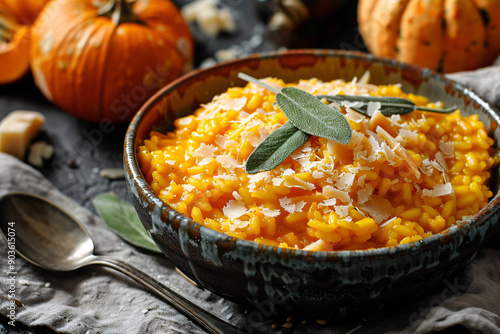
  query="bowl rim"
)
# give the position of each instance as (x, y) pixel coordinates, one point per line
(456, 231)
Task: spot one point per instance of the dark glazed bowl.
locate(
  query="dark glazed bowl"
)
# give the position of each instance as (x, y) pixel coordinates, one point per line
(294, 281)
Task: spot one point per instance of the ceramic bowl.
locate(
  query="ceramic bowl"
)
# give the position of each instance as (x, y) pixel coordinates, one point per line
(281, 280)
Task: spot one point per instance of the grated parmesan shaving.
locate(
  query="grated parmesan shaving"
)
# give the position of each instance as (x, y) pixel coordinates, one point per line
(352, 104)
(426, 167)
(256, 178)
(439, 190)
(389, 153)
(233, 103)
(317, 174)
(220, 141)
(345, 181)
(361, 180)
(270, 213)
(234, 209)
(328, 202)
(188, 187)
(372, 107)
(365, 78)
(440, 159)
(357, 138)
(277, 181)
(408, 134)
(307, 164)
(253, 122)
(378, 208)
(365, 193)
(447, 148)
(227, 161)
(297, 155)
(266, 113)
(342, 210)
(252, 138)
(237, 223)
(387, 222)
(319, 245)
(204, 154)
(331, 192)
(396, 120)
(237, 196)
(226, 177)
(286, 203)
(299, 183)
(264, 133)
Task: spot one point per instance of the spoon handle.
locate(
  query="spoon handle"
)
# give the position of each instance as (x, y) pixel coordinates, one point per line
(203, 318)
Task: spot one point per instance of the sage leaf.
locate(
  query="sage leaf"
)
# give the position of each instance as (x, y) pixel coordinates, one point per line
(312, 116)
(440, 111)
(122, 219)
(308, 113)
(275, 148)
(388, 105)
(248, 78)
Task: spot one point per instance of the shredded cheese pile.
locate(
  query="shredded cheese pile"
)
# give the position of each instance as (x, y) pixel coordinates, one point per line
(400, 179)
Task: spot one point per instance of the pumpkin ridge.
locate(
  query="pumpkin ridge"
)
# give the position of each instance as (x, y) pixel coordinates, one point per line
(102, 97)
(75, 67)
(75, 58)
(419, 42)
(492, 27)
(464, 31)
(398, 19)
(100, 33)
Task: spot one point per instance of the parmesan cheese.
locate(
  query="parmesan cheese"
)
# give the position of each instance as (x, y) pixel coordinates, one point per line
(234, 209)
(17, 130)
(38, 152)
(211, 19)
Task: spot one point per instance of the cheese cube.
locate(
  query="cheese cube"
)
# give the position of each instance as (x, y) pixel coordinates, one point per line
(38, 152)
(17, 130)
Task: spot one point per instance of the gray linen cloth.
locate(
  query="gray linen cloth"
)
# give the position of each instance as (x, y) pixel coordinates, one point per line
(98, 300)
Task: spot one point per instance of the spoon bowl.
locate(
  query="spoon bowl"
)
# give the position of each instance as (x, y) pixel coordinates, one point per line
(49, 237)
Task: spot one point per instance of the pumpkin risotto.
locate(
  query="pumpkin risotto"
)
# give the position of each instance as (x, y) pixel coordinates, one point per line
(400, 179)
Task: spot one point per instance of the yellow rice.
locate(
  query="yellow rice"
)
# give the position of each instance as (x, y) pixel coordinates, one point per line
(400, 179)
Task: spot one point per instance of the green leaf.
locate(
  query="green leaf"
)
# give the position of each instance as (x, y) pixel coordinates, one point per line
(121, 218)
(388, 105)
(257, 82)
(312, 116)
(275, 148)
(308, 115)
(440, 111)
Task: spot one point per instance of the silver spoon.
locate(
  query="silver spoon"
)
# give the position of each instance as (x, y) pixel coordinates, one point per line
(50, 238)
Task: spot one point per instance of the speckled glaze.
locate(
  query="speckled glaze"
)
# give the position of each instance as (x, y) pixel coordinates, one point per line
(277, 280)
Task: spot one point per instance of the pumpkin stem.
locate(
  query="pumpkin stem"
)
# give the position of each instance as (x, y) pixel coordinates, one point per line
(120, 11)
(7, 28)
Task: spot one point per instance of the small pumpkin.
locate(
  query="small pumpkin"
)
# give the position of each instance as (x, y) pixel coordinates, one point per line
(14, 48)
(444, 35)
(102, 60)
(25, 11)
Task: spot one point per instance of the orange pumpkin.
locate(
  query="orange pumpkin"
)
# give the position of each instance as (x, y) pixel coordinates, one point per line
(25, 11)
(444, 35)
(100, 61)
(14, 48)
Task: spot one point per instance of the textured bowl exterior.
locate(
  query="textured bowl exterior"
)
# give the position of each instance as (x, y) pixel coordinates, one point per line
(277, 280)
